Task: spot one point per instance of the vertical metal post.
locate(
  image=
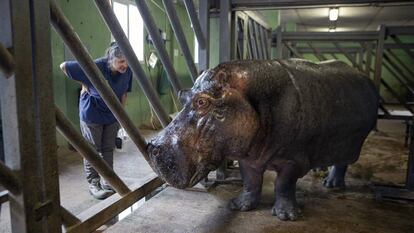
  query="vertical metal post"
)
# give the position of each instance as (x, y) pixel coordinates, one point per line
(264, 42)
(225, 19)
(253, 46)
(6, 61)
(378, 57)
(29, 136)
(189, 5)
(179, 35)
(158, 43)
(258, 40)
(204, 53)
(368, 52)
(224, 55)
(279, 49)
(46, 129)
(409, 184)
(360, 59)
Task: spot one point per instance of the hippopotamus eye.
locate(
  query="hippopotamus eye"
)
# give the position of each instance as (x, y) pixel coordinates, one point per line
(202, 102)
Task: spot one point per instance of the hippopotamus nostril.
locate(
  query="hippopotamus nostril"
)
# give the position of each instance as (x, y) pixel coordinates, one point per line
(155, 151)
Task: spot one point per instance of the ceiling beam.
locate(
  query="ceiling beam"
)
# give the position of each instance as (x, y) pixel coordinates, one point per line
(286, 4)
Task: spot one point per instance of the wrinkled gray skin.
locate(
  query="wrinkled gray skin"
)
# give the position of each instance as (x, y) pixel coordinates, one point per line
(289, 116)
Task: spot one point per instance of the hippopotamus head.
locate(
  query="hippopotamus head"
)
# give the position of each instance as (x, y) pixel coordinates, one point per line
(216, 121)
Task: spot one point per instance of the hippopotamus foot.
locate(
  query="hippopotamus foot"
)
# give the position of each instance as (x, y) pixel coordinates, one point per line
(252, 185)
(286, 209)
(336, 177)
(245, 202)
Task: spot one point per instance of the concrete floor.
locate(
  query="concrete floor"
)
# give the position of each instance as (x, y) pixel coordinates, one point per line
(383, 160)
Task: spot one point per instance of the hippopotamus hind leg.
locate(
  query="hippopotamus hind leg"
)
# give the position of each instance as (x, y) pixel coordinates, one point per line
(286, 207)
(336, 177)
(252, 187)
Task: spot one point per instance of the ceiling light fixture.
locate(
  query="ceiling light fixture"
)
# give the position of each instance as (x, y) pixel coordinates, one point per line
(333, 14)
(332, 29)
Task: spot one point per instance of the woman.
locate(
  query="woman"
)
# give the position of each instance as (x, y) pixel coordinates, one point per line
(98, 125)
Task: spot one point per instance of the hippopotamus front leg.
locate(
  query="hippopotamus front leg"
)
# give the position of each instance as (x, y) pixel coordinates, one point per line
(252, 187)
(286, 207)
(336, 177)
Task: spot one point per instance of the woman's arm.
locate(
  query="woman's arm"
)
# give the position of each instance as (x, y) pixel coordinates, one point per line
(124, 99)
(84, 87)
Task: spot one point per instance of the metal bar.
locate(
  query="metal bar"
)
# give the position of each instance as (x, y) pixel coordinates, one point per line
(409, 183)
(253, 46)
(347, 55)
(112, 206)
(330, 36)
(360, 59)
(189, 5)
(398, 70)
(71, 39)
(395, 94)
(378, 56)
(293, 50)
(46, 130)
(258, 40)
(386, 66)
(179, 35)
(69, 131)
(156, 39)
(8, 179)
(387, 46)
(320, 56)
(149, 91)
(6, 61)
(393, 55)
(401, 45)
(400, 30)
(369, 58)
(18, 108)
(225, 20)
(204, 52)
(289, 4)
(279, 39)
(68, 219)
(334, 56)
(264, 42)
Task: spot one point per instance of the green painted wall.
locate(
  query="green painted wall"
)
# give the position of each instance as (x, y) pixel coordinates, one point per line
(92, 30)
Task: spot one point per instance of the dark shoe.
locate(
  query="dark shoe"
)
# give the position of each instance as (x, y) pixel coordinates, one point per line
(106, 186)
(97, 192)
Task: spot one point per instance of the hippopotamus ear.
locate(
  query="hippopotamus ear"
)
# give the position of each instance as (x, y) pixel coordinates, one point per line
(184, 96)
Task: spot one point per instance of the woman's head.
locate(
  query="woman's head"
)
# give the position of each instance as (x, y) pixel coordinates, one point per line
(116, 59)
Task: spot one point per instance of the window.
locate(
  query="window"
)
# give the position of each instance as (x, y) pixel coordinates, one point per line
(195, 50)
(132, 24)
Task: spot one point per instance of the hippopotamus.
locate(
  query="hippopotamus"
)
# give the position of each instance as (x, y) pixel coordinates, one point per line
(289, 116)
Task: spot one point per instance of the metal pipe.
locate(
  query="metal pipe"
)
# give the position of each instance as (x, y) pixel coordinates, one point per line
(293, 50)
(378, 56)
(9, 179)
(320, 56)
(279, 42)
(264, 42)
(398, 70)
(6, 61)
(400, 44)
(204, 53)
(123, 42)
(71, 39)
(156, 39)
(179, 35)
(258, 40)
(69, 131)
(347, 55)
(68, 219)
(400, 62)
(189, 5)
(253, 46)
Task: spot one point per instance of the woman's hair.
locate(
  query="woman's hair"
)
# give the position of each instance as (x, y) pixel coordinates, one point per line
(113, 52)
